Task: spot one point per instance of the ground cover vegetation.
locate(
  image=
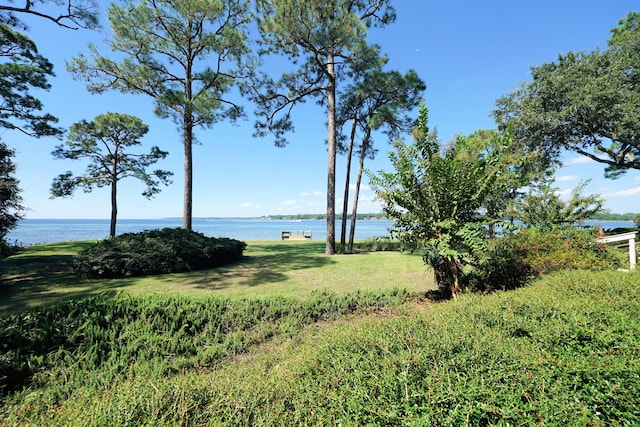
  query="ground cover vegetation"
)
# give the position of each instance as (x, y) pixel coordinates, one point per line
(288, 336)
(561, 351)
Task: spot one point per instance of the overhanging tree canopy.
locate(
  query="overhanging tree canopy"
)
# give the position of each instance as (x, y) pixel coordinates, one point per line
(584, 102)
(65, 13)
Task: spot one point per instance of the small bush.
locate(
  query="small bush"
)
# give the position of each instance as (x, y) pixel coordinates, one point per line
(564, 248)
(169, 250)
(382, 243)
(510, 262)
(503, 268)
(7, 249)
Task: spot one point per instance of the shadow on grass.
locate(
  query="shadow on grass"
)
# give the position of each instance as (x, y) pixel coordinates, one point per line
(262, 264)
(43, 274)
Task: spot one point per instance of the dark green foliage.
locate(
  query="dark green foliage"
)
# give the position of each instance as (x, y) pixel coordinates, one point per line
(504, 267)
(120, 334)
(169, 250)
(11, 209)
(23, 71)
(8, 249)
(586, 102)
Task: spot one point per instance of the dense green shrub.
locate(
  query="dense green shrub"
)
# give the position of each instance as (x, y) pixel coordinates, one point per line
(511, 261)
(504, 267)
(169, 250)
(564, 248)
(7, 249)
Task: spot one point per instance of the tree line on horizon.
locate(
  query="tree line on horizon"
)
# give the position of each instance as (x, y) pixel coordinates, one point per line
(586, 102)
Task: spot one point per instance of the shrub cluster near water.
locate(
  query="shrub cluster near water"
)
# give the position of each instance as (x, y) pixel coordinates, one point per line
(169, 250)
(512, 261)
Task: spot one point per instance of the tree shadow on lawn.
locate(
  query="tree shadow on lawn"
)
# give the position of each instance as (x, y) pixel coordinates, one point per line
(43, 276)
(264, 263)
(41, 284)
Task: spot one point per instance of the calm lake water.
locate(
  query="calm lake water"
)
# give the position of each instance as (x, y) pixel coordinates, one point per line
(32, 231)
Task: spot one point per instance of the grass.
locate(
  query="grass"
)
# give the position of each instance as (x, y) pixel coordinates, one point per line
(563, 351)
(42, 274)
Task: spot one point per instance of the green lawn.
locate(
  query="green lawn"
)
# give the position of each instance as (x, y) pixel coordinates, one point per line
(289, 336)
(42, 274)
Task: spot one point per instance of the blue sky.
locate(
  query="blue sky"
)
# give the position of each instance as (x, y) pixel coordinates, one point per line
(469, 54)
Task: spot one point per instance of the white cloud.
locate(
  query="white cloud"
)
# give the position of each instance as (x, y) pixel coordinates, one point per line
(578, 161)
(363, 187)
(290, 202)
(313, 205)
(314, 193)
(564, 193)
(565, 178)
(628, 192)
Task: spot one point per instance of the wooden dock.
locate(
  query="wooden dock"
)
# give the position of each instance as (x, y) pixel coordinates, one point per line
(298, 235)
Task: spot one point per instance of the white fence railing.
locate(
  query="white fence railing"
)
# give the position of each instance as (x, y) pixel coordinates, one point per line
(631, 237)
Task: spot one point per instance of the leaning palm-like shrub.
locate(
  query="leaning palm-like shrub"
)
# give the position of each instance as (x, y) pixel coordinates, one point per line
(436, 197)
(169, 250)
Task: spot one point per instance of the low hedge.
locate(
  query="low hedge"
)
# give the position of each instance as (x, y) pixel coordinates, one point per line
(159, 251)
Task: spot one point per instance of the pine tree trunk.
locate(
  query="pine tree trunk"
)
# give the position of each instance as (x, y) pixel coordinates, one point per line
(356, 196)
(345, 203)
(331, 168)
(187, 211)
(114, 207)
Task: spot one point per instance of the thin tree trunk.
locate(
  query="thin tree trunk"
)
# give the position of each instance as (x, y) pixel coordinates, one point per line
(455, 277)
(345, 203)
(354, 212)
(187, 211)
(187, 140)
(331, 169)
(114, 207)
